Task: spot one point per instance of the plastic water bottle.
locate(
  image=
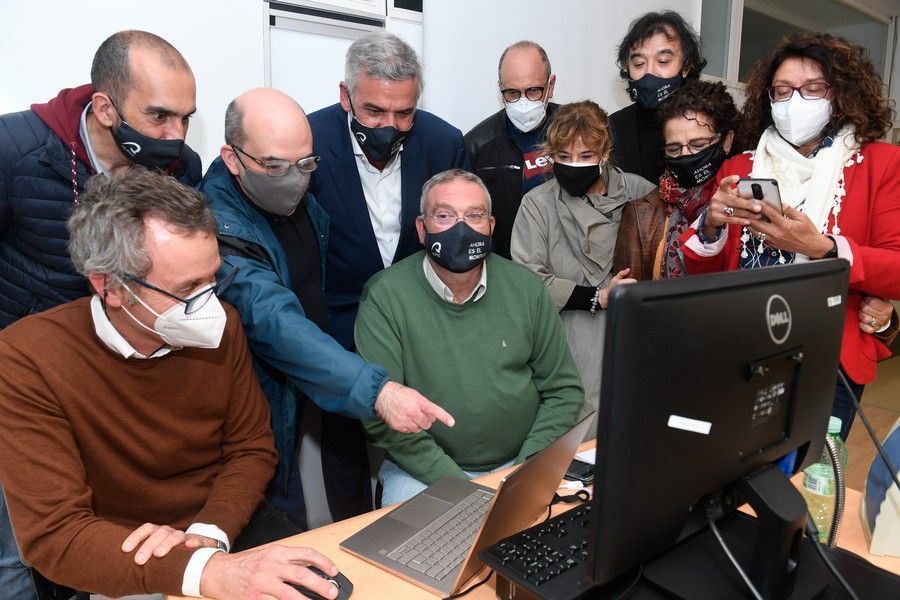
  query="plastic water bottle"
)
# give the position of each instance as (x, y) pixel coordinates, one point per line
(819, 487)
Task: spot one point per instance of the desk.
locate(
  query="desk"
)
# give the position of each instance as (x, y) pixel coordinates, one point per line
(373, 583)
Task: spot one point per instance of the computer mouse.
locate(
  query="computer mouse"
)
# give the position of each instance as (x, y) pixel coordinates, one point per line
(345, 588)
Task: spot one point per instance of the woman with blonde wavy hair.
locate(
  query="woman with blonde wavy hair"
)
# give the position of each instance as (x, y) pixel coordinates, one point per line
(566, 230)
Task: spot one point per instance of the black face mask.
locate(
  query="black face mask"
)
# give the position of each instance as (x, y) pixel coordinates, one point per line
(146, 151)
(379, 144)
(691, 170)
(576, 179)
(650, 90)
(458, 249)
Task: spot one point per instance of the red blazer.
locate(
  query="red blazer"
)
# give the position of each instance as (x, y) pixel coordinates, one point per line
(869, 222)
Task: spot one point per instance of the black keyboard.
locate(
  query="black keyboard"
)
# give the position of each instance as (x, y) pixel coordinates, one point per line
(549, 558)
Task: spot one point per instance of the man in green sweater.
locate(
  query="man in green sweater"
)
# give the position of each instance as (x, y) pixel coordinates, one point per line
(475, 333)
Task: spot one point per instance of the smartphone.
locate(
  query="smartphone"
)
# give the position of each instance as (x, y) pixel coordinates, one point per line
(580, 471)
(764, 190)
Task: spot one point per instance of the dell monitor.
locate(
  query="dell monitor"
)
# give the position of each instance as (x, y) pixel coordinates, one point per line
(707, 382)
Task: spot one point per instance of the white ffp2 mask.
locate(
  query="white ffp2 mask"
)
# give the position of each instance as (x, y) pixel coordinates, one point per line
(799, 120)
(200, 329)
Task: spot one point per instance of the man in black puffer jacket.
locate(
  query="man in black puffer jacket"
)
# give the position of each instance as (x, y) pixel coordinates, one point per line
(134, 111)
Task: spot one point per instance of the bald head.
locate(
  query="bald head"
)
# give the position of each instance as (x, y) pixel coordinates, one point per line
(524, 55)
(267, 124)
(264, 113)
(123, 58)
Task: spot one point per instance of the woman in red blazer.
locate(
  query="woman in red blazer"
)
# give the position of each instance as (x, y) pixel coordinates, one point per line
(815, 109)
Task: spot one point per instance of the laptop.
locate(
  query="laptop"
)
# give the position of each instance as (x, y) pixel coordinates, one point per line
(433, 539)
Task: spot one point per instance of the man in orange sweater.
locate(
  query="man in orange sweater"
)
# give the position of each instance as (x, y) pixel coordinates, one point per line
(135, 440)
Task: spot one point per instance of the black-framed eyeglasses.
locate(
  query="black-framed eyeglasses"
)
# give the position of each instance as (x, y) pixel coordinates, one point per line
(533, 93)
(808, 91)
(198, 300)
(278, 167)
(445, 218)
(696, 145)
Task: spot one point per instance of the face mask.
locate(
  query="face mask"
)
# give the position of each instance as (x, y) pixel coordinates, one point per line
(799, 120)
(691, 170)
(275, 195)
(526, 114)
(650, 90)
(576, 178)
(200, 329)
(458, 249)
(379, 144)
(145, 151)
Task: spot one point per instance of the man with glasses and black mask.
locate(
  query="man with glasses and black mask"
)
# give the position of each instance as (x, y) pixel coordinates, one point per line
(477, 334)
(658, 53)
(135, 111)
(377, 150)
(136, 445)
(504, 149)
(274, 230)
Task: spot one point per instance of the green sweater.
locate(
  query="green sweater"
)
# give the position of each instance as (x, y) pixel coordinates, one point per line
(500, 365)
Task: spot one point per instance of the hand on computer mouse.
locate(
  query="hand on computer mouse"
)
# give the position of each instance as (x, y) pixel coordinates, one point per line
(345, 588)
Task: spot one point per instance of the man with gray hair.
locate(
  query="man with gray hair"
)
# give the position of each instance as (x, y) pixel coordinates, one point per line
(136, 110)
(505, 149)
(137, 445)
(476, 333)
(377, 150)
(274, 230)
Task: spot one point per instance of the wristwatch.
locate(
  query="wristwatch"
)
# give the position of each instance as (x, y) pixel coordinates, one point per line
(833, 252)
(222, 546)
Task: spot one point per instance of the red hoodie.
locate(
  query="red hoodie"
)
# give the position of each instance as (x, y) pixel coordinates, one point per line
(63, 116)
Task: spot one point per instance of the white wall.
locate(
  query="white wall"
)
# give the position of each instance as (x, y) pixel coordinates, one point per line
(47, 46)
(464, 39)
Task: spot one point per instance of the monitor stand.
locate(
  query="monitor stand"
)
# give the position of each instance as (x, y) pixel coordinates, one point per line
(771, 549)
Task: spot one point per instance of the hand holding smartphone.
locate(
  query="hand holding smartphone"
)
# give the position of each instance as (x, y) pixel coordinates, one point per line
(764, 190)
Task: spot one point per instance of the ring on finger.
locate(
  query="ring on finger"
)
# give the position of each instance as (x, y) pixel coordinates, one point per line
(729, 211)
(872, 322)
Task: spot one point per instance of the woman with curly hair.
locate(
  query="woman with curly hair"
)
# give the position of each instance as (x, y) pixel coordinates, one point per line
(817, 108)
(698, 128)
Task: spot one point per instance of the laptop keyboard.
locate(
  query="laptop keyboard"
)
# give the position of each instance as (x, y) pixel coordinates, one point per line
(542, 553)
(442, 545)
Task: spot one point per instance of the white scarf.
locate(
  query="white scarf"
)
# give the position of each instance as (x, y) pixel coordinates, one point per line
(814, 186)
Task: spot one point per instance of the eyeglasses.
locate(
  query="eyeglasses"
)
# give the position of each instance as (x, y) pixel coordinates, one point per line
(198, 300)
(697, 145)
(278, 167)
(808, 91)
(446, 219)
(533, 93)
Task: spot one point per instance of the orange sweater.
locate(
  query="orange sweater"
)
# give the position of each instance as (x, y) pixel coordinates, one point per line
(93, 445)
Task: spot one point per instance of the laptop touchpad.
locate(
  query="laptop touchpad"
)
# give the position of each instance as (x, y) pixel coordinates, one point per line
(421, 511)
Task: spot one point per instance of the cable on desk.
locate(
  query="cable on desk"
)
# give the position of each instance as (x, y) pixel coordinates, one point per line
(813, 535)
(477, 585)
(581, 495)
(891, 470)
(737, 566)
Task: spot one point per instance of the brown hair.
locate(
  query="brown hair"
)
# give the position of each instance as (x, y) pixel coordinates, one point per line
(858, 96)
(585, 120)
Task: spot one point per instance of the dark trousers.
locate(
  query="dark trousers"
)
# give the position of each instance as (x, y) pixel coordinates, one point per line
(345, 471)
(843, 406)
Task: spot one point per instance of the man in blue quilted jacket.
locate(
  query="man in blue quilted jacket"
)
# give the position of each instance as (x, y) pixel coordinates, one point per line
(135, 111)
